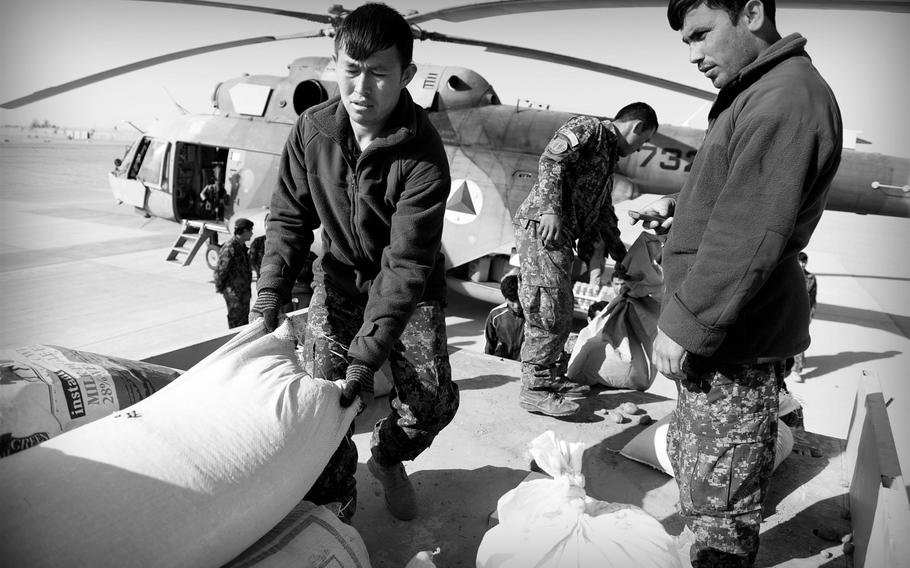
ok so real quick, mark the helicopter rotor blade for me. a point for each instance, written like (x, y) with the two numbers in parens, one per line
(506, 7)
(114, 72)
(321, 18)
(573, 62)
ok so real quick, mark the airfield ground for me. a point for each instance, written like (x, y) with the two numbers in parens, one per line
(80, 271)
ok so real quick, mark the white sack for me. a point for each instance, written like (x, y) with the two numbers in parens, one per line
(553, 523)
(46, 390)
(190, 476)
(309, 537)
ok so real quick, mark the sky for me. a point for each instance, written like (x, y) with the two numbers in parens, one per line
(48, 42)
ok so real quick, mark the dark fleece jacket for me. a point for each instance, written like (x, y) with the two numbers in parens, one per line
(734, 290)
(381, 214)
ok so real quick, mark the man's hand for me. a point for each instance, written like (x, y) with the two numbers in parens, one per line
(657, 216)
(358, 380)
(267, 306)
(549, 228)
(669, 356)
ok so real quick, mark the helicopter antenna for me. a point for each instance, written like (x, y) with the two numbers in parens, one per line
(180, 107)
(131, 123)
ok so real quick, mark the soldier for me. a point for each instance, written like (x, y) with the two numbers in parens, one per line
(232, 275)
(734, 306)
(213, 195)
(571, 200)
(797, 362)
(371, 170)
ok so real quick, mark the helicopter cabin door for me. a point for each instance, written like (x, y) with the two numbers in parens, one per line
(124, 185)
(195, 167)
(146, 184)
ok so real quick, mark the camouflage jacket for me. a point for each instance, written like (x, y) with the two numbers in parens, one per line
(574, 181)
(233, 270)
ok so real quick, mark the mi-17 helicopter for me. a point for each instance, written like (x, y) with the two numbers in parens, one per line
(493, 148)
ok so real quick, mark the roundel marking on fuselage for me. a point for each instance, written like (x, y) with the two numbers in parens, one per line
(465, 201)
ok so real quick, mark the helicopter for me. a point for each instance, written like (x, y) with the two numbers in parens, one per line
(493, 148)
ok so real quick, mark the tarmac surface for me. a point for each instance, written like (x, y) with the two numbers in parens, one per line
(79, 271)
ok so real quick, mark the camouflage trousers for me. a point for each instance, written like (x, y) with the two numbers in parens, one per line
(423, 400)
(238, 306)
(545, 294)
(721, 443)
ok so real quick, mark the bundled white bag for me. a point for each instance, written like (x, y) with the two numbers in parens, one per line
(553, 523)
(615, 348)
(190, 476)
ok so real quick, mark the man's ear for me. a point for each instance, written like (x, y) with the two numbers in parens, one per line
(408, 74)
(639, 127)
(753, 15)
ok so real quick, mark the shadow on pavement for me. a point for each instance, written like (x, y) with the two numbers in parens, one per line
(454, 514)
(866, 318)
(824, 364)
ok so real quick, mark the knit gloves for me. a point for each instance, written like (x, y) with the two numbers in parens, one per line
(268, 305)
(358, 380)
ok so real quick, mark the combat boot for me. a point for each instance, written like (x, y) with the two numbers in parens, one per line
(400, 498)
(571, 389)
(546, 402)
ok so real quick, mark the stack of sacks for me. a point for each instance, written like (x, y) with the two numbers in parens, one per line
(190, 476)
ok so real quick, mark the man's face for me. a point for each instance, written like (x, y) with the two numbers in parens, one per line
(370, 89)
(617, 285)
(634, 140)
(717, 46)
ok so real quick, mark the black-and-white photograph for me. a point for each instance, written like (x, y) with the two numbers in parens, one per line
(454, 283)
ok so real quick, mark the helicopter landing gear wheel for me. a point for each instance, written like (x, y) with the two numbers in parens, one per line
(212, 252)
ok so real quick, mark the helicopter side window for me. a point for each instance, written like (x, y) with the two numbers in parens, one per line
(152, 163)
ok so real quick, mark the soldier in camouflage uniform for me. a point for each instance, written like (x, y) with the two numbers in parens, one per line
(570, 201)
(734, 307)
(370, 170)
(233, 275)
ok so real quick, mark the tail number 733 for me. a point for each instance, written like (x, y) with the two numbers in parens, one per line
(670, 158)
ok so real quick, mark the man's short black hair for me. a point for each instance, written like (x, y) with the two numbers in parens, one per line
(375, 27)
(677, 9)
(509, 287)
(596, 307)
(638, 111)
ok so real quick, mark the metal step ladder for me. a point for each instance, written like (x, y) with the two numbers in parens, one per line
(195, 235)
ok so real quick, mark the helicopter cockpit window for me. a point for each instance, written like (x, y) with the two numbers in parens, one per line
(121, 164)
(152, 163)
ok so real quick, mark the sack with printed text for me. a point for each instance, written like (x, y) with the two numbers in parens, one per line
(190, 476)
(553, 523)
(46, 390)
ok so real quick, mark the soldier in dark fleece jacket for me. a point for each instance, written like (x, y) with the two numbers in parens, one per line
(734, 307)
(371, 170)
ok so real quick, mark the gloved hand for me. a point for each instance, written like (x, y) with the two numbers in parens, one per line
(267, 306)
(358, 380)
